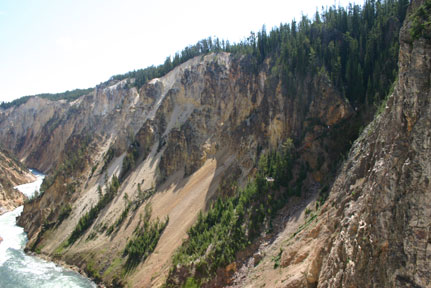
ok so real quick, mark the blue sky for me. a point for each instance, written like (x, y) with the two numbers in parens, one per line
(54, 46)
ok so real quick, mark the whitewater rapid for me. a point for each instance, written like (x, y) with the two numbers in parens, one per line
(20, 270)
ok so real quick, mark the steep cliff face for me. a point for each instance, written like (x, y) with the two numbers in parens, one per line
(38, 130)
(27, 128)
(173, 140)
(374, 229)
(12, 173)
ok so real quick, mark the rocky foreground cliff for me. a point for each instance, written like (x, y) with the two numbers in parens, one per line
(130, 168)
(374, 230)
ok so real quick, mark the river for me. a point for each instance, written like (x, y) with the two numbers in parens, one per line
(20, 270)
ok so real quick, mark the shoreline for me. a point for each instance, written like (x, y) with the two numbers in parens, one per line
(48, 258)
(64, 265)
(11, 204)
(8, 205)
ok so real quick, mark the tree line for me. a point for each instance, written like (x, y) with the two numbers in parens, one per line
(68, 96)
(356, 47)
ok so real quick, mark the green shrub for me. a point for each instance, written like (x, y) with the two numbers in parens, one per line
(191, 283)
(120, 219)
(129, 160)
(92, 271)
(421, 21)
(108, 158)
(277, 259)
(65, 211)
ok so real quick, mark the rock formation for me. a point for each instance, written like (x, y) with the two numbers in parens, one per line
(12, 173)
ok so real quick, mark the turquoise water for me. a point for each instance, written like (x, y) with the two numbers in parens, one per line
(20, 270)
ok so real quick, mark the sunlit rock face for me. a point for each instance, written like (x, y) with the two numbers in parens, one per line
(180, 135)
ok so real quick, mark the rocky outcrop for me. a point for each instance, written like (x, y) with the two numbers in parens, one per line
(12, 173)
(374, 229)
(382, 195)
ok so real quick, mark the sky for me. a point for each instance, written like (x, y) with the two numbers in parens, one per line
(49, 46)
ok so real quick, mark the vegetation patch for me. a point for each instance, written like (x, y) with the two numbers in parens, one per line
(92, 271)
(68, 96)
(107, 158)
(232, 223)
(65, 211)
(276, 259)
(191, 283)
(145, 239)
(421, 21)
(58, 252)
(115, 266)
(129, 160)
(305, 225)
(143, 195)
(120, 220)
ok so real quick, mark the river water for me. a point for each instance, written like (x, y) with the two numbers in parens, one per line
(20, 270)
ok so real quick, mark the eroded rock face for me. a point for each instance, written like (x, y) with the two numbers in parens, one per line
(385, 228)
(12, 173)
(374, 230)
(385, 224)
(203, 119)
